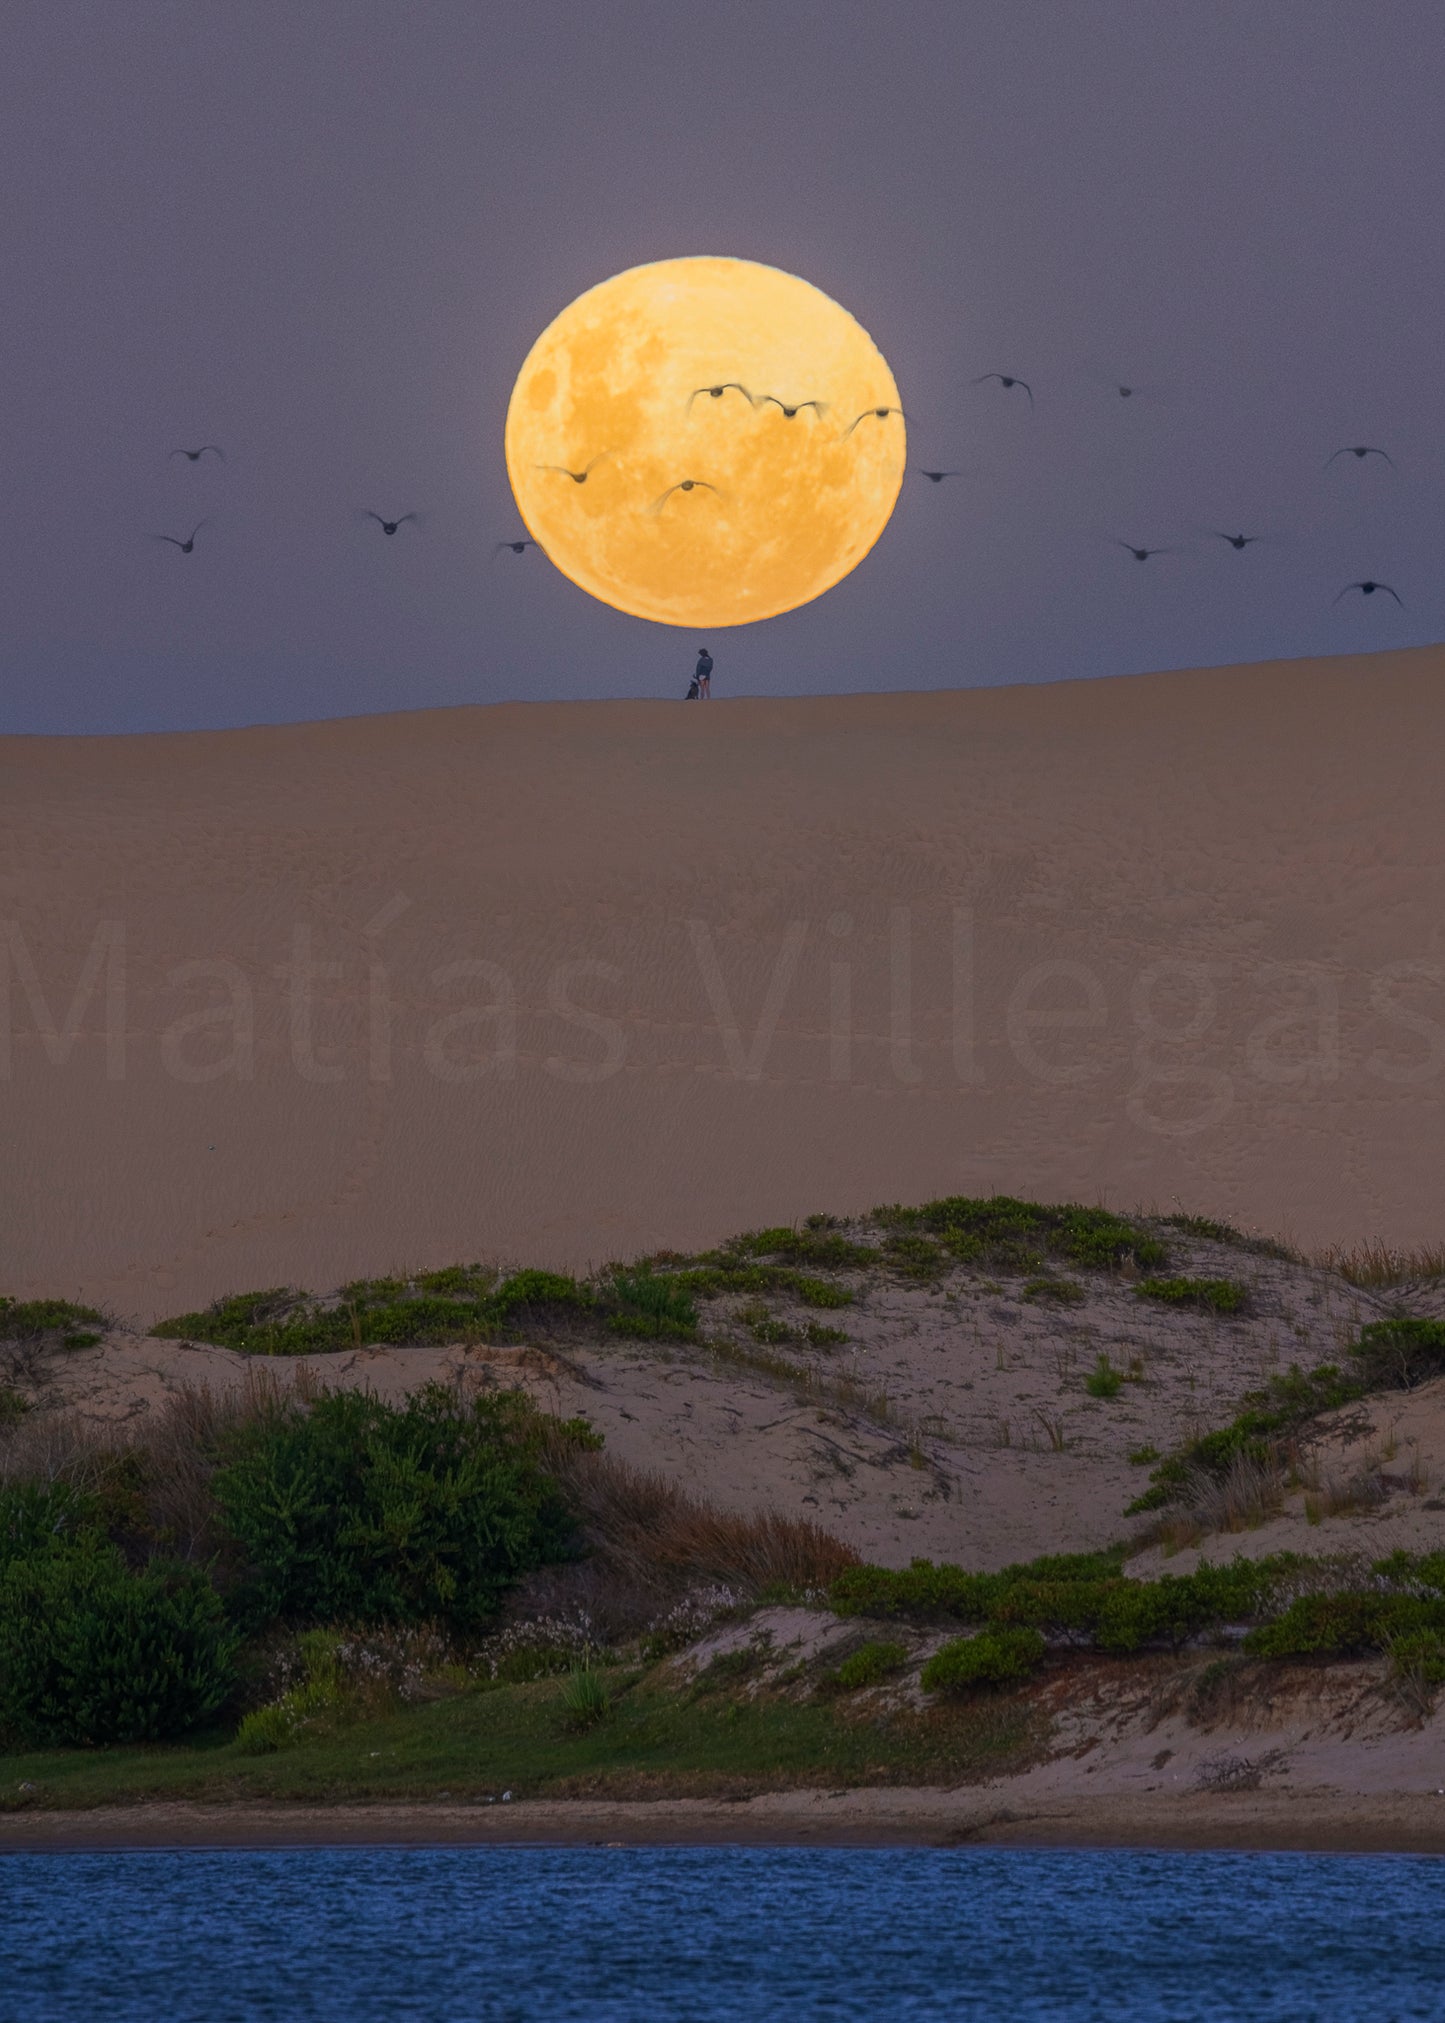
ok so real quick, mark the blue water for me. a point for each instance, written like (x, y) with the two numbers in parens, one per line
(702, 1933)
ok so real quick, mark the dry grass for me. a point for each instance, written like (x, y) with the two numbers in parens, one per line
(645, 1529)
(1374, 1263)
(1249, 1493)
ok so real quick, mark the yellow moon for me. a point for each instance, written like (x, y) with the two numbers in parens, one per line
(694, 507)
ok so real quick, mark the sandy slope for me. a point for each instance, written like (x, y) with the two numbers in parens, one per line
(955, 1422)
(1138, 938)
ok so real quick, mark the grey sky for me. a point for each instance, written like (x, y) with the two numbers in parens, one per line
(325, 235)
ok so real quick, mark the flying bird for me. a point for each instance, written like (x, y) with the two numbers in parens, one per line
(1142, 554)
(516, 547)
(1006, 380)
(577, 477)
(717, 392)
(818, 406)
(1240, 541)
(186, 545)
(682, 485)
(194, 456)
(1368, 589)
(881, 412)
(1360, 450)
(388, 526)
(936, 477)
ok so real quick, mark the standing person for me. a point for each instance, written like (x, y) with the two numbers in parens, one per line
(703, 674)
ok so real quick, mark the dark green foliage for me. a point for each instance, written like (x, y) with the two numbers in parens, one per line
(924, 1592)
(357, 1511)
(91, 1652)
(921, 1592)
(1141, 1457)
(1081, 1597)
(1211, 1295)
(50, 1322)
(1104, 1381)
(870, 1665)
(39, 1518)
(461, 1303)
(1004, 1234)
(1346, 1625)
(1000, 1657)
(646, 1303)
(1067, 1291)
(1401, 1354)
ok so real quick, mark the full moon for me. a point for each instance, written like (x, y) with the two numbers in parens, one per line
(705, 442)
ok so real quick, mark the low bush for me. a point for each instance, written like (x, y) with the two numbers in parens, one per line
(91, 1652)
(1345, 1625)
(52, 1323)
(356, 1511)
(1001, 1657)
(1210, 1295)
(647, 1304)
(1104, 1381)
(38, 1518)
(1004, 1233)
(869, 1665)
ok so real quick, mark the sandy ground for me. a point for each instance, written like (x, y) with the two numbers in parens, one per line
(954, 1423)
(566, 982)
(1312, 1820)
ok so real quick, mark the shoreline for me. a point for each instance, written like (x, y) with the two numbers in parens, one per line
(1317, 1822)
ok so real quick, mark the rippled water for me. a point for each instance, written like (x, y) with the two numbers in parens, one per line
(700, 1933)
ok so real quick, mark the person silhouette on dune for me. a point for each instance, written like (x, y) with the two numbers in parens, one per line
(702, 674)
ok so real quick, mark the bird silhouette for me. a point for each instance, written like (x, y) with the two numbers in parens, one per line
(1240, 541)
(881, 412)
(1360, 450)
(818, 406)
(1368, 589)
(194, 456)
(1006, 380)
(186, 545)
(936, 477)
(717, 392)
(682, 485)
(388, 526)
(1142, 554)
(577, 477)
(516, 547)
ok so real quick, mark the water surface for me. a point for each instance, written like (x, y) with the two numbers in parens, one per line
(630, 1934)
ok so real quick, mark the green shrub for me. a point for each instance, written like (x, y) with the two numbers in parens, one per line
(1067, 1291)
(1212, 1295)
(1401, 1354)
(923, 1592)
(1104, 1381)
(645, 1304)
(93, 1653)
(357, 1511)
(999, 1657)
(1006, 1233)
(586, 1701)
(1345, 1625)
(870, 1665)
(50, 1321)
(1419, 1657)
(44, 1517)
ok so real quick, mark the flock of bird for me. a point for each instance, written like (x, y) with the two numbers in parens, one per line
(1008, 382)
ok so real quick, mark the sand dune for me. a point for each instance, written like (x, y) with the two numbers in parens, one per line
(561, 982)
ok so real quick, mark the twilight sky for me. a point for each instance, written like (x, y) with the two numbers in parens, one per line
(325, 236)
